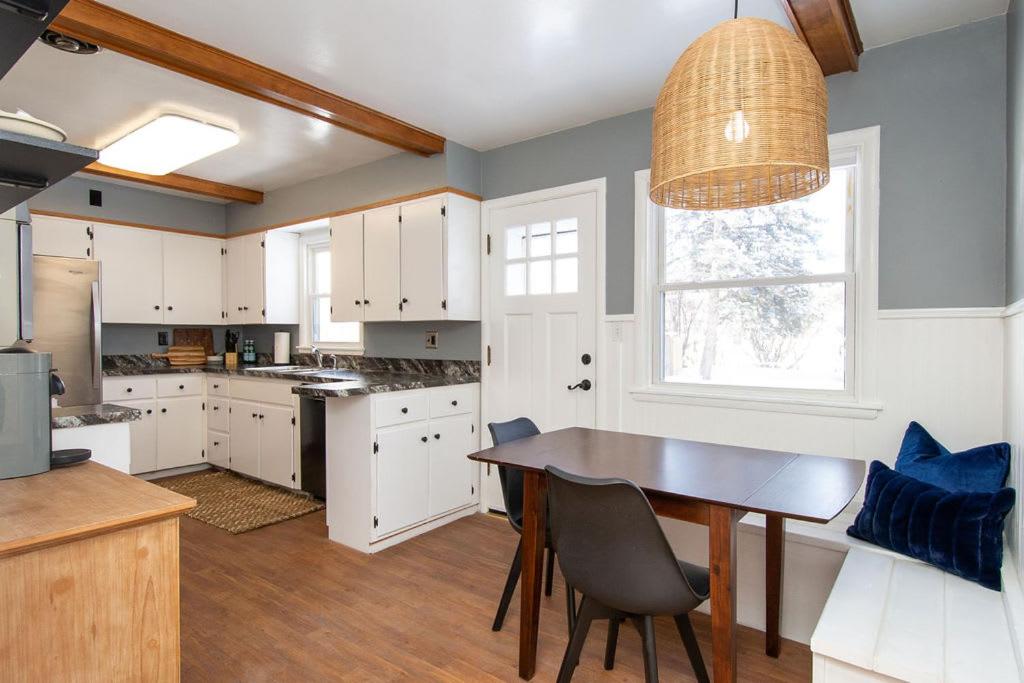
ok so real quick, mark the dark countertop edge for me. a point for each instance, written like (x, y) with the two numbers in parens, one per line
(73, 417)
(358, 388)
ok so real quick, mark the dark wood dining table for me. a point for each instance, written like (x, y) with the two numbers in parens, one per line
(709, 484)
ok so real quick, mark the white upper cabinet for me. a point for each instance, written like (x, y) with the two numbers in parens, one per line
(347, 268)
(382, 263)
(192, 280)
(422, 249)
(67, 237)
(131, 273)
(414, 261)
(263, 278)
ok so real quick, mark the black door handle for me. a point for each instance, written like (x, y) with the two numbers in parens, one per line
(584, 385)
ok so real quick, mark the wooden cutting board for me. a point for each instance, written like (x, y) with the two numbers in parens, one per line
(184, 355)
(194, 336)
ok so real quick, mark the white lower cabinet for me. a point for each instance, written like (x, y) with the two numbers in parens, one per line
(179, 432)
(451, 472)
(218, 449)
(403, 468)
(143, 436)
(245, 441)
(261, 429)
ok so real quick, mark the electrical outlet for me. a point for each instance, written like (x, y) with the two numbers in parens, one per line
(432, 339)
(161, 338)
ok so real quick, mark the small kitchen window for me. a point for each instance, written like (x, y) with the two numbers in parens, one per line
(317, 329)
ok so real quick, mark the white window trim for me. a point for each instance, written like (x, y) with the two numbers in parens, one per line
(859, 400)
(308, 240)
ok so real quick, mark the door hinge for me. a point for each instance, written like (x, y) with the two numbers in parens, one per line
(223, 251)
(332, 310)
(472, 429)
(204, 405)
(375, 522)
(488, 244)
(444, 304)
(443, 213)
(399, 218)
(263, 244)
(488, 354)
(472, 489)
(263, 312)
(376, 446)
(293, 476)
(204, 452)
(330, 231)
(88, 231)
(293, 419)
(399, 305)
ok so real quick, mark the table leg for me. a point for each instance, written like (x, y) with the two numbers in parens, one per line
(722, 523)
(775, 549)
(534, 526)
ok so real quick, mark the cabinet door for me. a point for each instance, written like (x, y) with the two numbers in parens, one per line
(347, 268)
(422, 250)
(131, 274)
(218, 449)
(180, 435)
(234, 264)
(143, 436)
(451, 472)
(61, 237)
(192, 280)
(382, 264)
(402, 475)
(253, 280)
(277, 444)
(245, 437)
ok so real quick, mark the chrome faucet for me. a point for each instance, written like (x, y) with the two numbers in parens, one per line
(317, 356)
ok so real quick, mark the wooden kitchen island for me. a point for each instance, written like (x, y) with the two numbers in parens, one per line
(89, 577)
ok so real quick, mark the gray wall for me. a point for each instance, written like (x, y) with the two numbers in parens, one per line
(940, 101)
(132, 204)
(1014, 151)
(456, 340)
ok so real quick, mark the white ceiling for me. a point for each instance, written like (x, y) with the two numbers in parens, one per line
(484, 74)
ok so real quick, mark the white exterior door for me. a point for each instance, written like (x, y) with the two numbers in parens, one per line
(234, 264)
(131, 274)
(192, 280)
(541, 324)
(276, 440)
(422, 272)
(180, 435)
(347, 268)
(402, 475)
(382, 263)
(67, 237)
(451, 472)
(245, 437)
(253, 283)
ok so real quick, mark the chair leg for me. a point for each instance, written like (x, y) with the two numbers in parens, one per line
(610, 645)
(685, 629)
(549, 577)
(510, 587)
(645, 625)
(570, 607)
(579, 636)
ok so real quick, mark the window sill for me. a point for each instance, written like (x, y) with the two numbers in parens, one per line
(861, 410)
(338, 350)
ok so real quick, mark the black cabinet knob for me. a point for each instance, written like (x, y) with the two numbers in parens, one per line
(455, 403)
(423, 439)
(163, 410)
(239, 308)
(216, 386)
(156, 308)
(216, 443)
(182, 387)
(366, 301)
(404, 300)
(170, 308)
(437, 436)
(261, 417)
(216, 407)
(149, 411)
(129, 390)
(358, 302)
(245, 308)
(254, 416)
(405, 410)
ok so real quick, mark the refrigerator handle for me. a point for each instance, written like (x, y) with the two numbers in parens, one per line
(25, 299)
(97, 337)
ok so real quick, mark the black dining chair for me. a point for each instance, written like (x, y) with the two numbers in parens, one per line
(512, 492)
(612, 550)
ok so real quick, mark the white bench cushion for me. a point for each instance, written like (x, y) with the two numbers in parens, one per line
(912, 622)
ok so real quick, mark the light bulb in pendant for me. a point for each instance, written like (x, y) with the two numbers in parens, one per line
(737, 130)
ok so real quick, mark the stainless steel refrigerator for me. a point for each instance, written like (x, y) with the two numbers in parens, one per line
(66, 322)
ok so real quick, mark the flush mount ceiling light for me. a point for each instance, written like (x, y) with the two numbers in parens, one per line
(741, 121)
(166, 144)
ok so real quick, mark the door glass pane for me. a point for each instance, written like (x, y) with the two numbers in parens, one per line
(788, 336)
(322, 271)
(515, 279)
(566, 236)
(515, 242)
(540, 240)
(540, 277)
(567, 275)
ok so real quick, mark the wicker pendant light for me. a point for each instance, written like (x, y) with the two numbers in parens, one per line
(741, 121)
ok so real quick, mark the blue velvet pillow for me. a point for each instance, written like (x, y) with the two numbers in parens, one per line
(961, 533)
(983, 468)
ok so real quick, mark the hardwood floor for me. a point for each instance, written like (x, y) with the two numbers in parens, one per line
(283, 603)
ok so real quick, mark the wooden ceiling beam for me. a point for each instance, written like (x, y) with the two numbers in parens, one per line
(183, 183)
(129, 35)
(830, 31)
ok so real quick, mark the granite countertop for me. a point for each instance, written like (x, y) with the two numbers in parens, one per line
(87, 416)
(379, 383)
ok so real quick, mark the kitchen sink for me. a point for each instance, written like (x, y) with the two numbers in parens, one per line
(333, 374)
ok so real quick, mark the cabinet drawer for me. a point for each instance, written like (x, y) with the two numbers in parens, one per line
(401, 407)
(179, 385)
(263, 391)
(217, 413)
(455, 400)
(217, 385)
(128, 388)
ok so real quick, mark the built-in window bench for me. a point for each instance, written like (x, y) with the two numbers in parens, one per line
(892, 618)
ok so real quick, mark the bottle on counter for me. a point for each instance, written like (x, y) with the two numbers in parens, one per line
(249, 351)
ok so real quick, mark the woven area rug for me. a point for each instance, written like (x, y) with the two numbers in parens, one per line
(237, 504)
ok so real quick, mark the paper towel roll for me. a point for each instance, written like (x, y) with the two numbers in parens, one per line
(282, 348)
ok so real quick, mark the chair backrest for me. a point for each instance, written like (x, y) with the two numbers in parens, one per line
(512, 479)
(610, 546)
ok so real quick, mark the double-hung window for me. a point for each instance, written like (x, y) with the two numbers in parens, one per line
(763, 300)
(318, 329)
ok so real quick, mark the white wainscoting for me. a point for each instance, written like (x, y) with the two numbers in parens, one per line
(1013, 407)
(942, 368)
